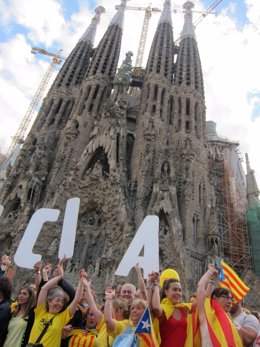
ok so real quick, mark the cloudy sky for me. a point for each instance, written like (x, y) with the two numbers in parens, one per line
(228, 43)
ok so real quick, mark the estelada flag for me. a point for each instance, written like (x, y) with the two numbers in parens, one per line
(145, 331)
(229, 279)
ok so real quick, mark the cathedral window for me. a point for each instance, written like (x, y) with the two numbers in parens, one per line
(155, 92)
(170, 110)
(188, 107)
(194, 227)
(179, 106)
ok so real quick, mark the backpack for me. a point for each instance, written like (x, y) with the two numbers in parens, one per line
(126, 339)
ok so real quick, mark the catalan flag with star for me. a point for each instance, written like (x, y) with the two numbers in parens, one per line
(229, 279)
(145, 331)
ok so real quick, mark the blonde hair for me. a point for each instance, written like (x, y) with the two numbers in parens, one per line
(138, 302)
(121, 304)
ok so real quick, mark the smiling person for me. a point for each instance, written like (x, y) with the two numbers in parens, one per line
(116, 327)
(169, 309)
(50, 313)
(19, 321)
(128, 291)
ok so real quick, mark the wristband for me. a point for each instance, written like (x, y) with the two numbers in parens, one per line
(210, 273)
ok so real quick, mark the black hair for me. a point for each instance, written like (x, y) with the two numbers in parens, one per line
(5, 288)
(218, 292)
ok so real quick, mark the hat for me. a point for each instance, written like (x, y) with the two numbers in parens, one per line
(168, 274)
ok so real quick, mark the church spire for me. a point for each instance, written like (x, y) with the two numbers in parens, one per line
(118, 18)
(90, 33)
(188, 80)
(75, 66)
(251, 185)
(188, 27)
(161, 56)
(166, 13)
(105, 59)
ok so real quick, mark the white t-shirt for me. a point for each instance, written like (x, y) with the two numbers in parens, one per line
(249, 321)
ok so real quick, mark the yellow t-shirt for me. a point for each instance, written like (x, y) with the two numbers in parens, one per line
(103, 335)
(52, 337)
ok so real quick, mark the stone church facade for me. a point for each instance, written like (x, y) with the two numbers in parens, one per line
(129, 143)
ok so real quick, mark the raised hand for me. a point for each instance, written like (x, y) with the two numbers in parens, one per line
(38, 266)
(109, 293)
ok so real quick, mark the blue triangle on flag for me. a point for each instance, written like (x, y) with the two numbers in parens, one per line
(144, 325)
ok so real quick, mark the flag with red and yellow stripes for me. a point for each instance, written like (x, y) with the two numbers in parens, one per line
(222, 331)
(229, 279)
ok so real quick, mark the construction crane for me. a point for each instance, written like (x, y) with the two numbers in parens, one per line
(208, 11)
(147, 16)
(56, 60)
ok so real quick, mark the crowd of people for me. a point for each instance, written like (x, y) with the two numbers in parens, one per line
(50, 312)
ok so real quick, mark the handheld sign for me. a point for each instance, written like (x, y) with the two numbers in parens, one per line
(69, 228)
(1, 209)
(24, 257)
(147, 238)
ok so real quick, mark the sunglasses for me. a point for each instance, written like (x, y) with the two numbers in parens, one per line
(229, 297)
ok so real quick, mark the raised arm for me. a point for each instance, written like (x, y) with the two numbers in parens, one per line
(140, 281)
(78, 295)
(49, 285)
(156, 302)
(204, 290)
(149, 291)
(108, 309)
(37, 275)
(91, 302)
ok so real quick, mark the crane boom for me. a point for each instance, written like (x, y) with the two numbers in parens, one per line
(208, 11)
(57, 58)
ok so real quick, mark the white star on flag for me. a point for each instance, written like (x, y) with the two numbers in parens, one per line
(146, 324)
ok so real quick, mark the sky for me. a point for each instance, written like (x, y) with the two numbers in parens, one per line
(228, 42)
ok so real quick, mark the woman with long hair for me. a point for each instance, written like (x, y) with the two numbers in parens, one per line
(168, 307)
(19, 321)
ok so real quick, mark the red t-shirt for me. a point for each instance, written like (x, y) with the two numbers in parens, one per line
(174, 332)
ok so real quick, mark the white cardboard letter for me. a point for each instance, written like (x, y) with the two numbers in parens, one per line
(1, 209)
(24, 257)
(69, 228)
(147, 237)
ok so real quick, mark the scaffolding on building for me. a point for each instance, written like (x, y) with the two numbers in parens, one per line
(232, 219)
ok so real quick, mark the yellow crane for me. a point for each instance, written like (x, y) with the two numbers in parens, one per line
(20, 133)
(148, 14)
